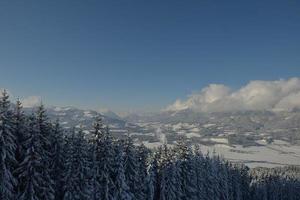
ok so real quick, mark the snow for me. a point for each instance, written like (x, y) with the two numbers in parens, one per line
(87, 114)
(220, 140)
(146, 134)
(59, 109)
(152, 144)
(118, 131)
(192, 134)
(259, 156)
(195, 129)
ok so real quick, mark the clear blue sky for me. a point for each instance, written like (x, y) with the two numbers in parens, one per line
(143, 54)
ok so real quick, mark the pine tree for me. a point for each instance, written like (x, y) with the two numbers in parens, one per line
(153, 177)
(76, 187)
(187, 171)
(209, 180)
(200, 172)
(57, 160)
(20, 132)
(131, 168)
(103, 161)
(142, 154)
(68, 187)
(30, 169)
(44, 129)
(122, 191)
(170, 179)
(95, 187)
(7, 149)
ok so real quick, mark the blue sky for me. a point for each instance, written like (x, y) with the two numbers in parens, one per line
(143, 55)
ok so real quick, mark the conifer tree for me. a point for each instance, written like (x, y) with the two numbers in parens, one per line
(187, 171)
(21, 134)
(76, 186)
(44, 130)
(57, 160)
(95, 187)
(7, 149)
(20, 130)
(30, 169)
(122, 191)
(143, 154)
(170, 180)
(103, 161)
(131, 168)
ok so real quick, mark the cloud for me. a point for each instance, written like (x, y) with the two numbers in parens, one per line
(256, 95)
(31, 101)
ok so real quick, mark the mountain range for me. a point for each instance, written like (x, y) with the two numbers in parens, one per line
(256, 138)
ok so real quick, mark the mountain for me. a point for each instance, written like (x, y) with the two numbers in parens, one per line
(257, 138)
(110, 114)
(70, 117)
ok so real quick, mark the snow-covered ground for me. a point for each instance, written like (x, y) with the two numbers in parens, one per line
(279, 153)
(259, 156)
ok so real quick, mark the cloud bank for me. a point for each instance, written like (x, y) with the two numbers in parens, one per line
(31, 101)
(256, 95)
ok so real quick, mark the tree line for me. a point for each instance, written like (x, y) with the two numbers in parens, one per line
(39, 160)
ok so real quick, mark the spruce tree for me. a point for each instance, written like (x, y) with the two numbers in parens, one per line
(131, 168)
(20, 130)
(103, 161)
(30, 169)
(7, 149)
(57, 160)
(187, 171)
(76, 186)
(44, 130)
(21, 134)
(121, 189)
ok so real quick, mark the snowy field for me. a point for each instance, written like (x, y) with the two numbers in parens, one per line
(258, 156)
(279, 153)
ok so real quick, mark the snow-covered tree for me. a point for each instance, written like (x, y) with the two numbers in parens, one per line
(30, 169)
(102, 161)
(187, 171)
(121, 189)
(58, 158)
(76, 185)
(7, 149)
(44, 131)
(132, 169)
(20, 130)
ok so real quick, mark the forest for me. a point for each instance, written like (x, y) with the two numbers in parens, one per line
(39, 160)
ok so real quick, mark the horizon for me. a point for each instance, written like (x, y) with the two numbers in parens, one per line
(256, 95)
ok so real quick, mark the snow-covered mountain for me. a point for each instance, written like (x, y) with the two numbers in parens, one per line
(70, 117)
(258, 138)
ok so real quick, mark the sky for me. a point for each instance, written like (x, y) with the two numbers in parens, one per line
(141, 55)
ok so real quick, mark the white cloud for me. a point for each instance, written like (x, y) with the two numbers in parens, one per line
(31, 101)
(256, 95)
